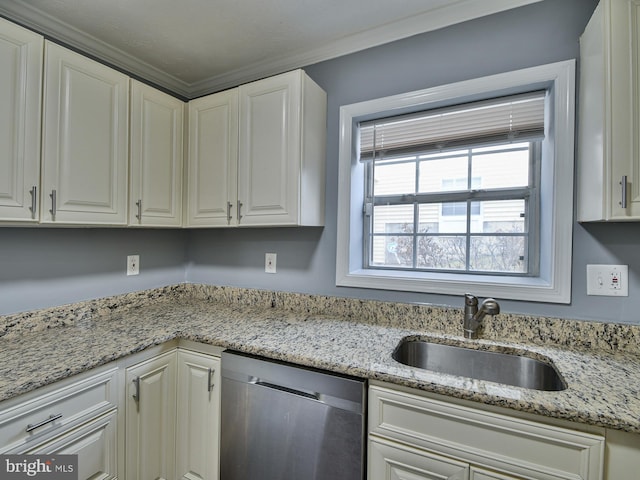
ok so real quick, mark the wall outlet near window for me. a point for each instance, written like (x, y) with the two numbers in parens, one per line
(133, 264)
(609, 280)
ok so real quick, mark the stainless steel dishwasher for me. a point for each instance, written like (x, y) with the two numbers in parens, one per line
(283, 422)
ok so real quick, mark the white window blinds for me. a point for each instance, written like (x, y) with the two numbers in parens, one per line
(517, 117)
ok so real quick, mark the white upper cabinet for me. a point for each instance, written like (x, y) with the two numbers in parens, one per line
(257, 154)
(157, 123)
(85, 141)
(20, 87)
(281, 154)
(609, 106)
(213, 156)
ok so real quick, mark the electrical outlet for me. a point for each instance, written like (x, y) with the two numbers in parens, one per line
(133, 264)
(610, 280)
(270, 262)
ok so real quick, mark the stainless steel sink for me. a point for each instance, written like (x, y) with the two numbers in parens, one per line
(507, 368)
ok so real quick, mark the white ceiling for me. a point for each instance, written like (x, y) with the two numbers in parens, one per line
(193, 47)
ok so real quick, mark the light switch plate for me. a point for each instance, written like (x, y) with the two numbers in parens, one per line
(609, 280)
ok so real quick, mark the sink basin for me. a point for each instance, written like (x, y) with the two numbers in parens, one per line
(507, 368)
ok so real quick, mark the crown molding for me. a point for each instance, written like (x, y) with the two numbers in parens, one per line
(455, 12)
(63, 33)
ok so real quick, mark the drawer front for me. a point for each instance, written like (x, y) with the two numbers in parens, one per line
(93, 442)
(389, 461)
(485, 439)
(41, 417)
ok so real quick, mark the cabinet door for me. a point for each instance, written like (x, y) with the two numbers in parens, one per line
(20, 87)
(156, 157)
(85, 147)
(269, 150)
(391, 461)
(627, 15)
(150, 418)
(94, 444)
(213, 157)
(609, 146)
(198, 418)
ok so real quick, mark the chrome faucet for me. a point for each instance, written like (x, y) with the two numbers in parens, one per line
(473, 315)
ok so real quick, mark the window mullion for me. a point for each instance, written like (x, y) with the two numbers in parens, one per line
(468, 232)
(416, 220)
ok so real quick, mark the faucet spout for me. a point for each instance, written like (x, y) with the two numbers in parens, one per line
(473, 315)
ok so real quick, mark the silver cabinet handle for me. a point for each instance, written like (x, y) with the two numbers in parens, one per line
(210, 383)
(139, 214)
(52, 418)
(229, 205)
(136, 395)
(34, 200)
(239, 210)
(623, 183)
(54, 201)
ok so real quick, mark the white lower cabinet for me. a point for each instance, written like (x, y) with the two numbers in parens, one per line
(75, 416)
(172, 417)
(394, 461)
(95, 444)
(479, 474)
(414, 436)
(198, 417)
(150, 418)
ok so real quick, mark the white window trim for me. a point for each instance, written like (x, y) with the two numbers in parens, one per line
(554, 284)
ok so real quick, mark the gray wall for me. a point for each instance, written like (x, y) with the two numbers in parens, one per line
(533, 35)
(42, 267)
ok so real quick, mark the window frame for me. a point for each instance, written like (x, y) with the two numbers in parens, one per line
(553, 282)
(470, 195)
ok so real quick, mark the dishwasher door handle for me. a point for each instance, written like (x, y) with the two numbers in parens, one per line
(281, 388)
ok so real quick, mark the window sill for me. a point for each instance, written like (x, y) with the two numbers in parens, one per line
(534, 289)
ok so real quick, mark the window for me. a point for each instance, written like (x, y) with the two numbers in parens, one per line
(466, 187)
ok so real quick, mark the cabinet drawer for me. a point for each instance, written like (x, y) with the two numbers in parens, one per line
(93, 442)
(485, 439)
(56, 411)
(389, 461)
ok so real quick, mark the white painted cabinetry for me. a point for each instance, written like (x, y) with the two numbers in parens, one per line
(20, 87)
(257, 154)
(609, 106)
(213, 160)
(416, 436)
(150, 418)
(157, 125)
(172, 416)
(281, 155)
(85, 141)
(198, 417)
(95, 444)
(75, 416)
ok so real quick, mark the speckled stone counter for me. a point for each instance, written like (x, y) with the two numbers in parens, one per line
(599, 362)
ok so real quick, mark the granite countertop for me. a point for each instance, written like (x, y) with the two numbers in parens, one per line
(603, 383)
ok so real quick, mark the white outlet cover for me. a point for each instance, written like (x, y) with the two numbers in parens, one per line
(133, 264)
(270, 262)
(608, 280)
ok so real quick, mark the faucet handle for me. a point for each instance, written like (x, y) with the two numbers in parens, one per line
(470, 300)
